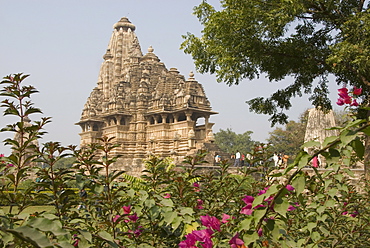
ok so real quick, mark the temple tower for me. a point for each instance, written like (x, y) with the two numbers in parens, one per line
(318, 129)
(146, 107)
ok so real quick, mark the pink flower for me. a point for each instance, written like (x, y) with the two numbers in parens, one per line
(75, 244)
(345, 213)
(126, 209)
(262, 191)
(343, 90)
(196, 187)
(259, 206)
(138, 231)
(133, 217)
(315, 162)
(236, 242)
(347, 100)
(291, 208)
(211, 222)
(76, 240)
(168, 195)
(357, 91)
(225, 218)
(199, 204)
(202, 235)
(354, 103)
(247, 210)
(289, 187)
(248, 199)
(260, 232)
(189, 242)
(207, 243)
(354, 214)
(115, 218)
(2, 155)
(186, 244)
(340, 102)
(269, 199)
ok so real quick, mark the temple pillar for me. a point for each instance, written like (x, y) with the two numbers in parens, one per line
(164, 117)
(188, 115)
(175, 118)
(206, 121)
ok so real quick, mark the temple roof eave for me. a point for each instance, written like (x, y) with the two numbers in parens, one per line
(203, 111)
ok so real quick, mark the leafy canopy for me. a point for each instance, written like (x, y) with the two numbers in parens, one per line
(231, 142)
(303, 39)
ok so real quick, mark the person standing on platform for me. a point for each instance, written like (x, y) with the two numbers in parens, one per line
(237, 159)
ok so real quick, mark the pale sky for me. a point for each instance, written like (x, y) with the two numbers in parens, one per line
(61, 44)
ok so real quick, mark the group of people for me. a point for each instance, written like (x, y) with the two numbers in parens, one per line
(238, 158)
(280, 160)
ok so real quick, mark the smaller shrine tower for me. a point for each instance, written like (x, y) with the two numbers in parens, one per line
(146, 107)
(318, 129)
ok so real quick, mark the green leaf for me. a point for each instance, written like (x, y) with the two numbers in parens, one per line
(105, 235)
(86, 235)
(191, 227)
(315, 236)
(39, 238)
(186, 210)
(320, 209)
(367, 131)
(303, 161)
(176, 222)
(324, 231)
(245, 224)
(45, 225)
(359, 148)
(330, 203)
(311, 143)
(329, 140)
(281, 206)
(322, 218)
(32, 110)
(169, 216)
(299, 183)
(332, 192)
(347, 136)
(250, 238)
(167, 202)
(310, 226)
(258, 214)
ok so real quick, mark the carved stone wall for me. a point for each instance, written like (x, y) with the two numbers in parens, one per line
(317, 129)
(146, 107)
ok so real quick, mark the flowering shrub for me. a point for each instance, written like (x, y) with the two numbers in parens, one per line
(176, 206)
(345, 98)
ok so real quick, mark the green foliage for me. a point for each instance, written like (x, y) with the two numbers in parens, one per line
(288, 140)
(182, 206)
(305, 40)
(230, 142)
(65, 162)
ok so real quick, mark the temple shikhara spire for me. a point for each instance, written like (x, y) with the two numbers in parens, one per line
(148, 108)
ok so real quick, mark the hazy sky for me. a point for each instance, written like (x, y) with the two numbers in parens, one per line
(61, 44)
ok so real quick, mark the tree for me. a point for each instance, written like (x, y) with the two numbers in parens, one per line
(288, 140)
(230, 142)
(303, 39)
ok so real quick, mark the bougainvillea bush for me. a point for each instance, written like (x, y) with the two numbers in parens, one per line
(90, 205)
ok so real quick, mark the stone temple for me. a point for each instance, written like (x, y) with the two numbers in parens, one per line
(146, 107)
